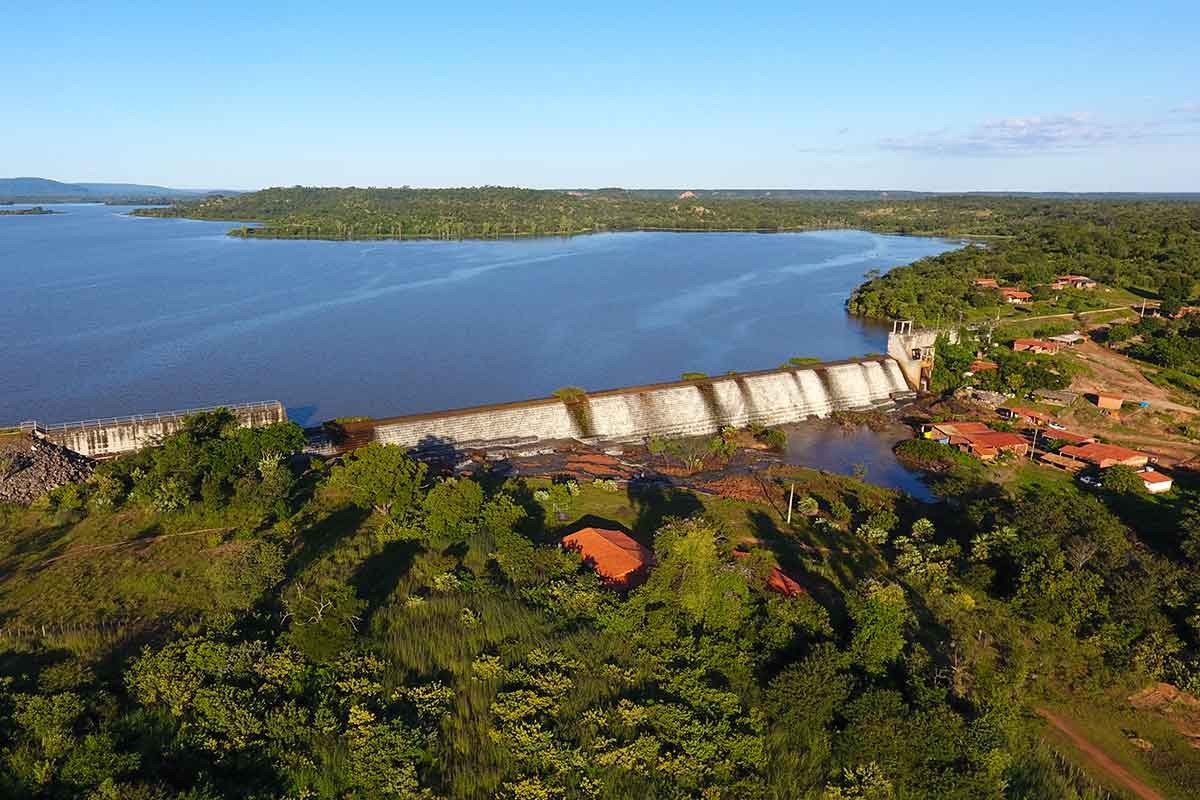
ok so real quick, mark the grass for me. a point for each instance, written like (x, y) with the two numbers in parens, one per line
(67, 572)
(1107, 720)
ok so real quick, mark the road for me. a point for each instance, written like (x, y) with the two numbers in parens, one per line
(1099, 759)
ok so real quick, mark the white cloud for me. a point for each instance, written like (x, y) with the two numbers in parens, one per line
(1026, 135)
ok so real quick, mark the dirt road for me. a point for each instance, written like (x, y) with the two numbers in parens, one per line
(1099, 759)
(1117, 374)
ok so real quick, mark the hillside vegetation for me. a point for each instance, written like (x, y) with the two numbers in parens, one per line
(495, 212)
(216, 618)
(1145, 250)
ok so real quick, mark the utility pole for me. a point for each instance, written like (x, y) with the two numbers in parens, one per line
(1033, 452)
(791, 502)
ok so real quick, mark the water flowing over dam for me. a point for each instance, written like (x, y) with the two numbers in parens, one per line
(684, 408)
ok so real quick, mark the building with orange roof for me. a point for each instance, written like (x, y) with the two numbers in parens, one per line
(1070, 437)
(987, 446)
(618, 559)
(778, 581)
(1015, 296)
(1105, 455)
(1155, 481)
(1029, 415)
(1073, 282)
(987, 283)
(981, 365)
(976, 438)
(1034, 346)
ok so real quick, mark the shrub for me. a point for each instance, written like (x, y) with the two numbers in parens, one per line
(775, 438)
(170, 496)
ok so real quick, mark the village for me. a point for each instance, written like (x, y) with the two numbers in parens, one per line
(1110, 415)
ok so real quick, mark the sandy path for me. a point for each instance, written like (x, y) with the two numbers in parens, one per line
(1099, 758)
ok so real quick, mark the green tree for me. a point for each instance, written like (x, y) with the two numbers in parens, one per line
(881, 617)
(380, 477)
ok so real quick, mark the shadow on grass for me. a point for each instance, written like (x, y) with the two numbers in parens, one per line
(325, 535)
(819, 587)
(655, 502)
(378, 575)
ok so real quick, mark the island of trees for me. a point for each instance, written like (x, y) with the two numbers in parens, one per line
(19, 212)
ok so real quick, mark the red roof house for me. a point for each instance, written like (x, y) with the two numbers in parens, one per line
(1030, 415)
(1105, 455)
(1034, 346)
(1156, 482)
(1015, 296)
(622, 562)
(778, 581)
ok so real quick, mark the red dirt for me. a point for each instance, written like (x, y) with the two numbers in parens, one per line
(1099, 758)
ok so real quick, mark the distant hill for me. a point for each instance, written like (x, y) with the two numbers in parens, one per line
(44, 189)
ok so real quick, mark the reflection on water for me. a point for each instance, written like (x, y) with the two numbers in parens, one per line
(827, 446)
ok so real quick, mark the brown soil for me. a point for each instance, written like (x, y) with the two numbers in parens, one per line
(1114, 373)
(1099, 759)
(1180, 708)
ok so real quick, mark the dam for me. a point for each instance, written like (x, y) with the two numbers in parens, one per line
(696, 407)
(105, 438)
(682, 408)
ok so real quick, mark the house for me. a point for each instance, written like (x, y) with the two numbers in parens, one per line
(976, 438)
(1156, 482)
(622, 562)
(1028, 415)
(1105, 455)
(778, 581)
(1015, 296)
(981, 365)
(954, 433)
(1034, 346)
(987, 283)
(1061, 462)
(1055, 397)
(1073, 282)
(1068, 437)
(1108, 402)
(1067, 338)
(986, 446)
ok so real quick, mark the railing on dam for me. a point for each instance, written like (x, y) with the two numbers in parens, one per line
(159, 416)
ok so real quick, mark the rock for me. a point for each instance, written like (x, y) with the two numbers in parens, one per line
(31, 467)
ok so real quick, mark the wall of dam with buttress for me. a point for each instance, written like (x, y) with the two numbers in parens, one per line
(104, 438)
(684, 408)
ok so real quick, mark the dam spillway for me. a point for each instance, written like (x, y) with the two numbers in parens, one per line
(683, 408)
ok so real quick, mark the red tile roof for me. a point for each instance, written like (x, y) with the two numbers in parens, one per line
(1102, 454)
(998, 439)
(1032, 413)
(616, 557)
(1032, 344)
(778, 581)
(983, 366)
(1150, 476)
(1067, 436)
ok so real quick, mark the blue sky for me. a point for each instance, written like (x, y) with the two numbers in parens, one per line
(1071, 96)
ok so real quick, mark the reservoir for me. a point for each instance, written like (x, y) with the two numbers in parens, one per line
(106, 314)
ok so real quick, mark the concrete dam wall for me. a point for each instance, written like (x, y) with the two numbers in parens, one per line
(101, 438)
(686, 408)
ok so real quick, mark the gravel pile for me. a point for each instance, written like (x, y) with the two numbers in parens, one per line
(31, 467)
